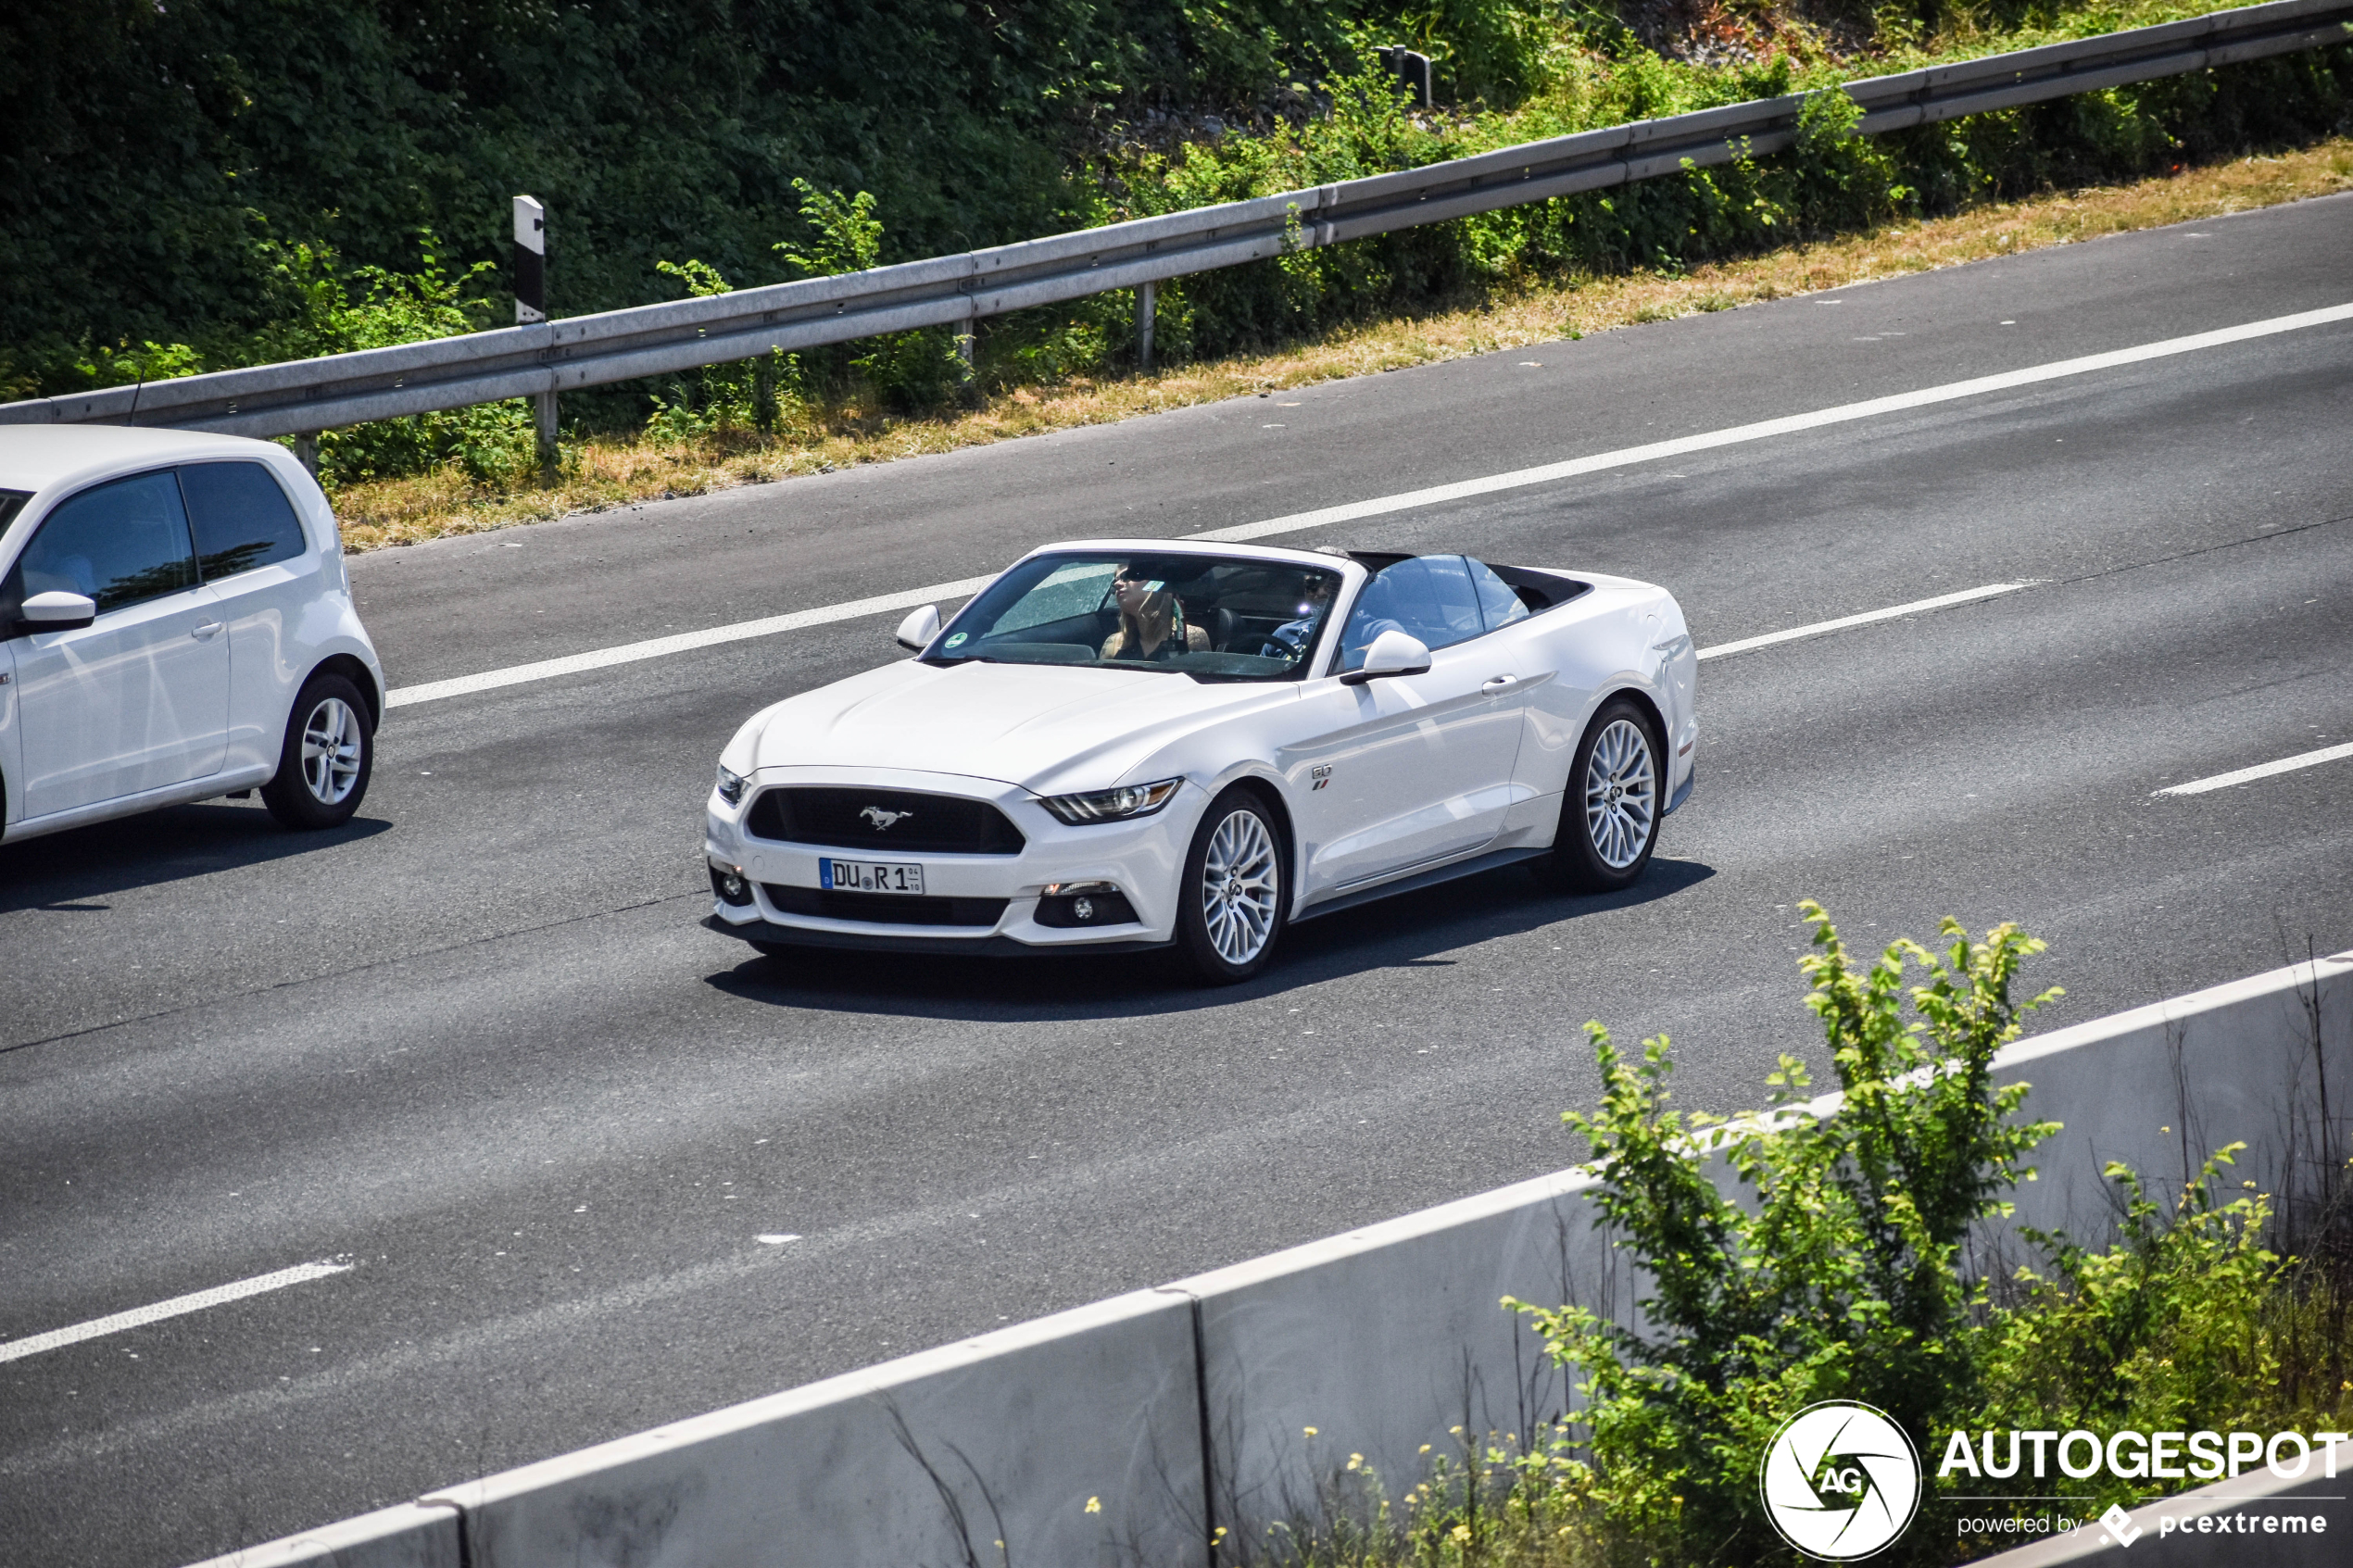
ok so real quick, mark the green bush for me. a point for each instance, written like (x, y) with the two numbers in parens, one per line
(1854, 1264)
(1841, 1280)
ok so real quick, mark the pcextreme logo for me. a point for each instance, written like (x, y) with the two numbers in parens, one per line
(1840, 1480)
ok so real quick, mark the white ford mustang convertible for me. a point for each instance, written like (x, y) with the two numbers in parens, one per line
(1123, 745)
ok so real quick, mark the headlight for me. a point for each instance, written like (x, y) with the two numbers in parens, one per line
(1112, 805)
(732, 785)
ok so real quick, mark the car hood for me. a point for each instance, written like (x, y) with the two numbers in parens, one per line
(1047, 728)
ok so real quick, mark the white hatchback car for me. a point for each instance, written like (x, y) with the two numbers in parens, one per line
(175, 624)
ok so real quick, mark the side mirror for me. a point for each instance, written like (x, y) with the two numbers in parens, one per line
(60, 611)
(916, 631)
(1392, 653)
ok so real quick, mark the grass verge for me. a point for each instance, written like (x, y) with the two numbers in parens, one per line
(600, 472)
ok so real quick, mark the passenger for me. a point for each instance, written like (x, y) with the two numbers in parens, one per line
(1151, 623)
(1291, 639)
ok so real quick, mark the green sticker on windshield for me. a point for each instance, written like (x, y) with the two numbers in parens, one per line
(956, 638)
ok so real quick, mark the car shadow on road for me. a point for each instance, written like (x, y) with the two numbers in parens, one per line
(1412, 930)
(74, 871)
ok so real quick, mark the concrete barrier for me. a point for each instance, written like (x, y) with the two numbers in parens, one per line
(1382, 1341)
(415, 1534)
(984, 1452)
(1185, 1411)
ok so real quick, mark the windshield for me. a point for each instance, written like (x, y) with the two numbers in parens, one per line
(1213, 618)
(11, 503)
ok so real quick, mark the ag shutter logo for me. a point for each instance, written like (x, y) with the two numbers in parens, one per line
(1839, 1481)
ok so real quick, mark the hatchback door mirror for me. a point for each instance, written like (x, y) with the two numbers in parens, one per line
(916, 631)
(60, 611)
(1392, 653)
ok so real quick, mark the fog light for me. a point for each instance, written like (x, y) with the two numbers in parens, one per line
(729, 885)
(1066, 904)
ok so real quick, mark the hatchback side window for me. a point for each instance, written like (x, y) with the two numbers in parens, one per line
(1430, 598)
(1498, 602)
(117, 542)
(242, 520)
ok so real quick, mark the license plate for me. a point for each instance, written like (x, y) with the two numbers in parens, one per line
(868, 876)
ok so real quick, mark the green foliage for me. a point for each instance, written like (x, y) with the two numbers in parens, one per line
(2174, 1328)
(846, 236)
(220, 182)
(720, 398)
(1840, 1273)
(376, 307)
(1841, 1280)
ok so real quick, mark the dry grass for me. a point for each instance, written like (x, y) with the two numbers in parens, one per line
(608, 471)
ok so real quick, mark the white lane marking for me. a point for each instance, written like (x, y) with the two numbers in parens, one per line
(1766, 428)
(2260, 771)
(657, 648)
(32, 1345)
(1966, 596)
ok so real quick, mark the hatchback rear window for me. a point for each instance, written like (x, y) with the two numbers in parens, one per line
(241, 517)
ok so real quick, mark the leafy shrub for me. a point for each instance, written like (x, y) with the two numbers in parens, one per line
(1843, 1280)
(1849, 1271)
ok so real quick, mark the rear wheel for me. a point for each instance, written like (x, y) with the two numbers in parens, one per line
(1609, 813)
(329, 751)
(1231, 899)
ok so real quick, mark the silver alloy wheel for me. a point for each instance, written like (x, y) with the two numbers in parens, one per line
(1237, 887)
(1621, 795)
(331, 745)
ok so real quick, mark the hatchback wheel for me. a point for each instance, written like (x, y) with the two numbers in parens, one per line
(329, 752)
(1231, 901)
(1609, 813)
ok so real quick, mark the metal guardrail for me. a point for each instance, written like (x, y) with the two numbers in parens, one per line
(306, 395)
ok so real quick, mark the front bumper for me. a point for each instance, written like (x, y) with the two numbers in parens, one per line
(891, 939)
(1141, 859)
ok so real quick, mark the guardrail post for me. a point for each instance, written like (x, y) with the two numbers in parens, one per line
(1412, 71)
(531, 305)
(306, 450)
(530, 261)
(542, 408)
(1147, 303)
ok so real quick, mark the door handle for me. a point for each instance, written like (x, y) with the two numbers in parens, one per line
(1500, 685)
(207, 632)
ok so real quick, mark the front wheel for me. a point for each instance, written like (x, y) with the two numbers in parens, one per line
(1232, 900)
(1609, 813)
(329, 749)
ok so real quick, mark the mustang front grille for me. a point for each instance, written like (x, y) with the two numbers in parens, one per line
(884, 908)
(882, 821)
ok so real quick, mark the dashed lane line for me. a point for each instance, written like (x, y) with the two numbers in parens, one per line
(196, 1301)
(1918, 606)
(2260, 771)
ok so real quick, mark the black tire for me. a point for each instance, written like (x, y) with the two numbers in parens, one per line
(1219, 948)
(1591, 849)
(313, 789)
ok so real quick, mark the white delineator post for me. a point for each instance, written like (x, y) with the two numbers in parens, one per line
(531, 306)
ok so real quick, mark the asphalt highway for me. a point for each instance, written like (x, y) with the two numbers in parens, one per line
(478, 1045)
